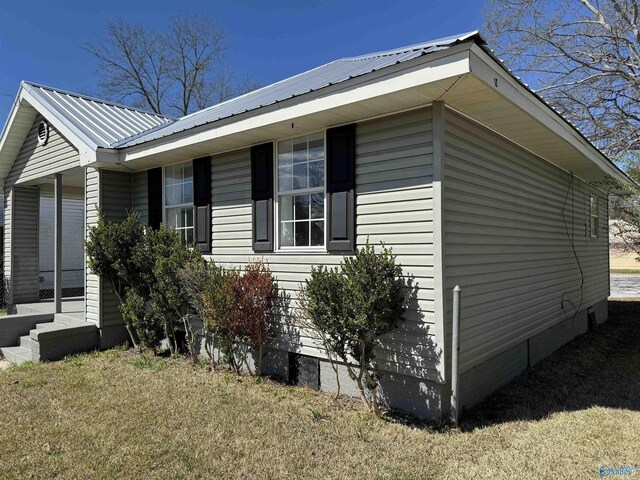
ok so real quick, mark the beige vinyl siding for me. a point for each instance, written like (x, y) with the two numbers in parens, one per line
(394, 205)
(115, 201)
(92, 282)
(506, 243)
(25, 280)
(140, 195)
(8, 218)
(36, 161)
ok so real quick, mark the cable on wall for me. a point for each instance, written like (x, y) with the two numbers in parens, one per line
(580, 289)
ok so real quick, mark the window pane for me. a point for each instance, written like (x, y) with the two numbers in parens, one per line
(317, 205)
(286, 208)
(316, 146)
(172, 195)
(285, 178)
(187, 192)
(187, 171)
(300, 150)
(302, 234)
(189, 235)
(302, 207)
(286, 234)
(300, 176)
(173, 217)
(188, 217)
(317, 233)
(169, 176)
(284, 152)
(316, 174)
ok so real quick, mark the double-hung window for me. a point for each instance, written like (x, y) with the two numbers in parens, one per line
(301, 192)
(178, 200)
(593, 215)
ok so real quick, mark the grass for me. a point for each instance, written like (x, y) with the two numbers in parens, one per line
(115, 414)
(626, 270)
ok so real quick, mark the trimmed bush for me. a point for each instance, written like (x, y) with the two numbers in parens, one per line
(351, 307)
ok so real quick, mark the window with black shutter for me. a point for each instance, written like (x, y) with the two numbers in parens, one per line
(341, 182)
(262, 197)
(154, 197)
(202, 203)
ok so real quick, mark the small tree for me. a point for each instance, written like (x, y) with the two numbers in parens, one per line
(353, 306)
(249, 317)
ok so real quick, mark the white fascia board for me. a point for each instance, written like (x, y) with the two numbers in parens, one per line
(454, 64)
(86, 148)
(9, 122)
(487, 69)
(106, 156)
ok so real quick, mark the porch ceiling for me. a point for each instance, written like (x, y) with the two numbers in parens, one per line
(73, 178)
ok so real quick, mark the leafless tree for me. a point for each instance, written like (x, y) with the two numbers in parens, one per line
(582, 56)
(172, 73)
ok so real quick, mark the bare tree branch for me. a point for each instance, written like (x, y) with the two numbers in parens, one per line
(172, 73)
(583, 56)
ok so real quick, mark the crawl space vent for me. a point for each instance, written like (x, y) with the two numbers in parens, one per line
(43, 133)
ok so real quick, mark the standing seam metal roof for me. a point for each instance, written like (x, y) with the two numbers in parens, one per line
(102, 122)
(309, 81)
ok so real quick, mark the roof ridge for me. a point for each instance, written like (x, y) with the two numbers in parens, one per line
(95, 99)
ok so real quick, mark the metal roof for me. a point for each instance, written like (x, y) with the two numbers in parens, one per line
(309, 81)
(103, 123)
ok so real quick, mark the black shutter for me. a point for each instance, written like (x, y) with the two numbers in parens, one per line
(262, 196)
(202, 202)
(154, 197)
(341, 183)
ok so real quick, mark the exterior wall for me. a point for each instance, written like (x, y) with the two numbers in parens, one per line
(507, 246)
(394, 205)
(92, 282)
(140, 199)
(6, 244)
(72, 249)
(36, 161)
(24, 238)
(115, 202)
(33, 161)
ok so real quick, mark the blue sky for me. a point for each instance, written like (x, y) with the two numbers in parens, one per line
(269, 40)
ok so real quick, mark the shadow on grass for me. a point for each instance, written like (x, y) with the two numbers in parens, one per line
(600, 368)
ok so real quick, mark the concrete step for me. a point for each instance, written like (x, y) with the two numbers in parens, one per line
(68, 319)
(26, 342)
(17, 355)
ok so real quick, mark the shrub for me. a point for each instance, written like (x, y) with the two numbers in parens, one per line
(236, 309)
(352, 306)
(143, 267)
(249, 317)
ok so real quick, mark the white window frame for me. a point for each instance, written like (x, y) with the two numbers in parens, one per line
(276, 194)
(182, 205)
(593, 199)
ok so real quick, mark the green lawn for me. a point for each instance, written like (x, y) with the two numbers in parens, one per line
(117, 415)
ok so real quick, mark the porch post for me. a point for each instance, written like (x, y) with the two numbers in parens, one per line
(57, 263)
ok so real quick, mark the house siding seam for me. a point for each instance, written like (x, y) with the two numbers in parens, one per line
(394, 202)
(507, 246)
(34, 161)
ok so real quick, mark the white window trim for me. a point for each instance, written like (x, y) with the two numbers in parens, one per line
(181, 205)
(276, 200)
